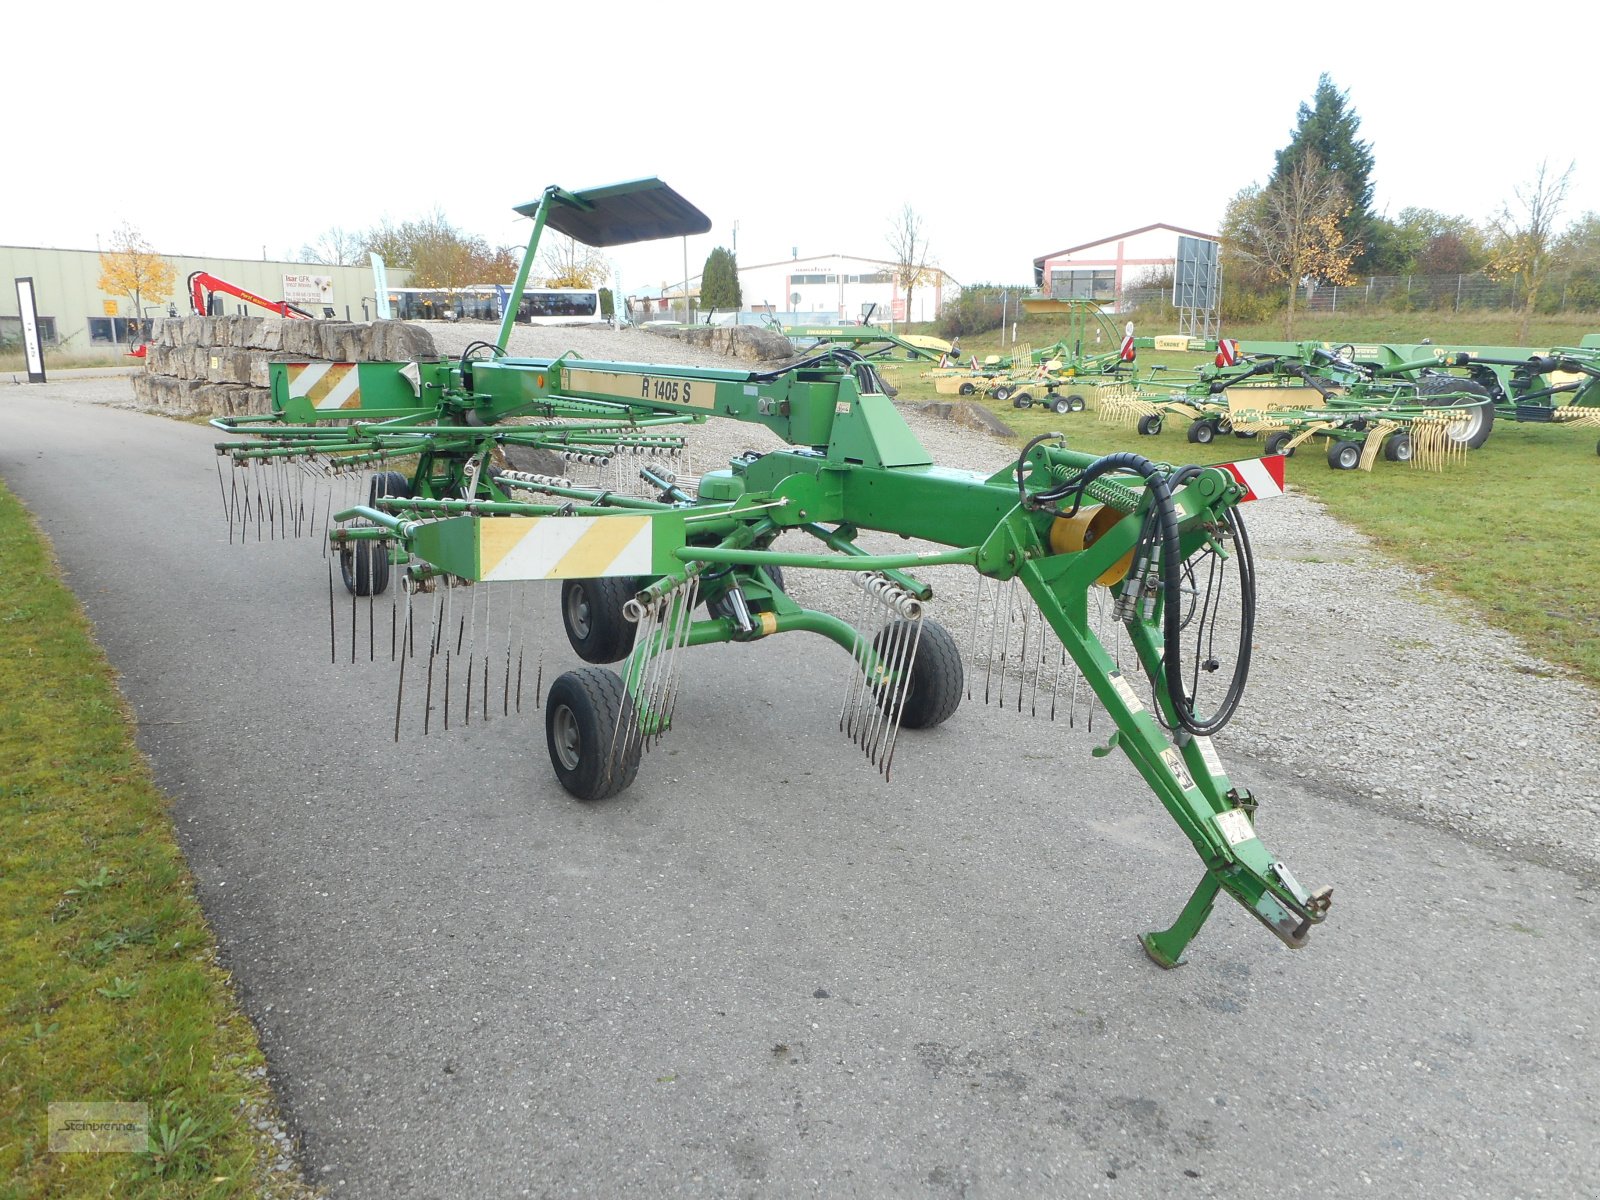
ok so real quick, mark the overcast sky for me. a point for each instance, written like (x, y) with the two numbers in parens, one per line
(223, 131)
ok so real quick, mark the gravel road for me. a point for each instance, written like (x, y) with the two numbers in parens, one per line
(1437, 717)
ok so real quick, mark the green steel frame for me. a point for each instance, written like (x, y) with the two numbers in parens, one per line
(852, 465)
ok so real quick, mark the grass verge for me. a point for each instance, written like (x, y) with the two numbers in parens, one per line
(109, 988)
(65, 360)
(1511, 530)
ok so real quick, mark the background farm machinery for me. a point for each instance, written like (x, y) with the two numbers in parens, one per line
(870, 341)
(1057, 376)
(1559, 384)
(1105, 583)
(1290, 393)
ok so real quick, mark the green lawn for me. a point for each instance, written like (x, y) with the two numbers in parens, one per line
(1514, 529)
(109, 990)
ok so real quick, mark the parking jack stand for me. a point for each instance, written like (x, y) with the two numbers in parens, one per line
(1166, 946)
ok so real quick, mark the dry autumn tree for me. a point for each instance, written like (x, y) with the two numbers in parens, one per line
(133, 269)
(569, 263)
(1523, 240)
(909, 243)
(1292, 231)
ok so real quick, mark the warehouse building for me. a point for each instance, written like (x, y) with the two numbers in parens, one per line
(74, 314)
(844, 286)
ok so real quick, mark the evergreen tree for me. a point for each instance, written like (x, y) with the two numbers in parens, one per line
(1327, 129)
(719, 282)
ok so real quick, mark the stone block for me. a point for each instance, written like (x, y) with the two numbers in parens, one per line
(268, 334)
(339, 341)
(747, 342)
(300, 341)
(399, 341)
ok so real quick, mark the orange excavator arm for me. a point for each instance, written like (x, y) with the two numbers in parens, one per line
(202, 282)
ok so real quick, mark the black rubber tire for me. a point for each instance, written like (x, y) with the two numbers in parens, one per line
(1202, 432)
(1477, 433)
(387, 483)
(1060, 405)
(1002, 393)
(1276, 442)
(933, 692)
(1344, 456)
(966, 389)
(720, 606)
(1150, 424)
(364, 566)
(591, 611)
(1022, 400)
(1397, 447)
(1076, 403)
(591, 759)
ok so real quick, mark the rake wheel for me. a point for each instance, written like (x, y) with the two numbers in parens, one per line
(591, 757)
(933, 692)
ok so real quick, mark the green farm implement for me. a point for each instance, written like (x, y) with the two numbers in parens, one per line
(1110, 584)
(1558, 384)
(1294, 392)
(869, 341)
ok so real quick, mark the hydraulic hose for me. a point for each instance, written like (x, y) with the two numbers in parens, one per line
(1163, 512)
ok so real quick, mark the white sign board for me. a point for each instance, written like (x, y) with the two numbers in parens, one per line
(380, 286)
(308, 289)
(32, 349)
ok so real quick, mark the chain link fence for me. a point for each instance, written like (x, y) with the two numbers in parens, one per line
(1387, 293)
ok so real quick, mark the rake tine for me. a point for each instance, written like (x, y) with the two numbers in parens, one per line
(899, 712)
(427, 712)
(972, 640)
(1005, 638)
(861, 654)
(1022, 652)
(399, 699)
(223, 488)
(522, 647)
(333, 623)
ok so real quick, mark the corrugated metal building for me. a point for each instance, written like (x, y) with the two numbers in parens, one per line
(76, 315)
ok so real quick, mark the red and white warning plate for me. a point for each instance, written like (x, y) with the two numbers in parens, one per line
(1262, 478)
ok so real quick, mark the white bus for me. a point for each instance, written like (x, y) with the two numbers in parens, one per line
(485, 302)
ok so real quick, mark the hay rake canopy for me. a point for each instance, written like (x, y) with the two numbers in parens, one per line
(1110, 586)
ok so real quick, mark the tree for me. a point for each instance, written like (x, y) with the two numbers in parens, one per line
(1522, 237)
(336, 247)
(437, 254)
(1325, 130)
(719, 282)
(133, 269)
(497, 264)
(570, 263)
(1578, 254)
(391, 243)
(908, 242)
(1291, 230)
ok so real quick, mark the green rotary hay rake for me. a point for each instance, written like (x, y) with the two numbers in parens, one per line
(1107, 585)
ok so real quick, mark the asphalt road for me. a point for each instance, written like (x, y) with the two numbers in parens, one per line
(762, 971)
